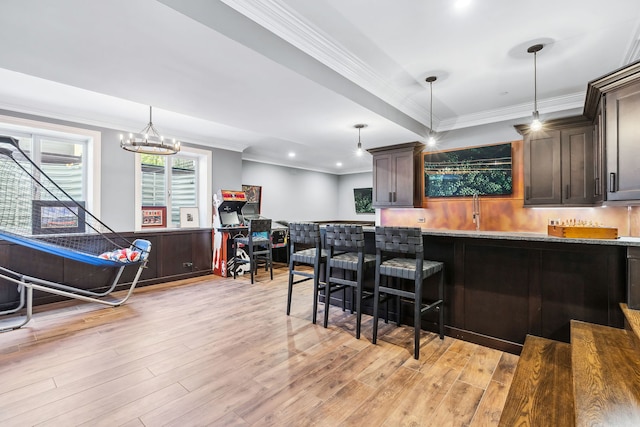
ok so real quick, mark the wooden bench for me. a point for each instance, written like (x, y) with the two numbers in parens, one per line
(541, 393)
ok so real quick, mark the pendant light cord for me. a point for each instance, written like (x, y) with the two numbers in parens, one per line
(431, 108)
(535, 81)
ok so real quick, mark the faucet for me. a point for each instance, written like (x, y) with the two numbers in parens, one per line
(476, 211)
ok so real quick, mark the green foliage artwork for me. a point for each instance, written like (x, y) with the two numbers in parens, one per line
(480, 170)
(364, 200)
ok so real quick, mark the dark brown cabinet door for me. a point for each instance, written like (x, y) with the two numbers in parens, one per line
(382, 180)
(404, 179)
(577, 166)
(623, 143)
(542, 178)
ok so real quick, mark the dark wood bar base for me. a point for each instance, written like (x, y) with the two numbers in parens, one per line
(498, 291)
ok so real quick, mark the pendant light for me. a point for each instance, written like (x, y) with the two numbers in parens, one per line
(359, 147)
(149, 141)
(536, 124)
(432, 139)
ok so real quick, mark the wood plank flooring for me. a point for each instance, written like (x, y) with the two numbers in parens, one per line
(214, 351)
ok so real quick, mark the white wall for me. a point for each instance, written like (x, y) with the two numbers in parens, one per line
(293, 194)
(345, 200)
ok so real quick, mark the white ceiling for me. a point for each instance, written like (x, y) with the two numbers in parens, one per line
(267, 77)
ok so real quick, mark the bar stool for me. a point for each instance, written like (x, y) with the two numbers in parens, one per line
(391, 241)
(305, 234)
(349, 238)
(257, 244)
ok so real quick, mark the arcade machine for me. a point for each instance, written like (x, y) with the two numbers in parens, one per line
(227, 224)
(232, 213)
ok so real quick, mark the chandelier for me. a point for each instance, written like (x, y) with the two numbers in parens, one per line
(149, 141)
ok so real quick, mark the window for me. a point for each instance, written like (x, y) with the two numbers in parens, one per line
(65, 154)
(63, 160)
(181, 180)
(169, 181)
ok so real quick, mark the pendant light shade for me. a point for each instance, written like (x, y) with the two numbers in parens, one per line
(431, 142)
(536, 124)
(359, 146)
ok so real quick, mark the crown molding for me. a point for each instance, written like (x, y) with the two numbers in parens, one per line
(277, 17)
(546, 106)
(286, 23)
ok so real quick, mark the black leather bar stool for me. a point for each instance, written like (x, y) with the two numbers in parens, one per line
(390, 242)
(257, 245)
(305, 249)
(350, 239)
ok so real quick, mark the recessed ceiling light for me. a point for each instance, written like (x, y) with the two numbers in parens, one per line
(292, 154)
(462, 4)
(339, 164)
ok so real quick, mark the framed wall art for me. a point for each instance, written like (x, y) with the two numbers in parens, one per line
(154, 216)
(189, 217)
(54, 216)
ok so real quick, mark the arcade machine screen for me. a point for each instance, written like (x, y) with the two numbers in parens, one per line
(229, 219)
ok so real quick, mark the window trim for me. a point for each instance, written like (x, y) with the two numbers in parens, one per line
(205, 195)
(93, 172)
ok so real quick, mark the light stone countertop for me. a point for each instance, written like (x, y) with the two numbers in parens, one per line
(532, 237)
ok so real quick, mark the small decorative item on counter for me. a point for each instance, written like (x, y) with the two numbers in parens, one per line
(580, 229)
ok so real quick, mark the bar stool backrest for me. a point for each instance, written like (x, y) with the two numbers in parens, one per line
(259, 225)
(407, 240)
(345, 236)
(305, 233)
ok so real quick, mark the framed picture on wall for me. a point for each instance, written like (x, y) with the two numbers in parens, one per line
(189, 217)
(363, 199)
(154, 216)
(53, 216)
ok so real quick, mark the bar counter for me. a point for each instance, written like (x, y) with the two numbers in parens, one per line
(501, 286)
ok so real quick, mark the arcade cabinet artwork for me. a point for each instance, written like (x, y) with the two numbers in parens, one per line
(227, 223)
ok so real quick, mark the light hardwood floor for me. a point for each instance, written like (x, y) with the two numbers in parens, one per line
(214, 351)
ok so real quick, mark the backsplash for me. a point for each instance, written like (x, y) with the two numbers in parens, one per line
(508, 213)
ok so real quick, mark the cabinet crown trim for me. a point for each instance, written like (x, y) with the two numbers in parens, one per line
(417, 146)
(611, 81)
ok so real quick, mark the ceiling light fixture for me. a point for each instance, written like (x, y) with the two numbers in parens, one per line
(536, 124)
(359, 149)
(432, 139)
(149, 141)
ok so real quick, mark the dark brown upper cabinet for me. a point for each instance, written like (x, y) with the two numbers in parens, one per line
(613, 103)
(397, 175)
(560, 163)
